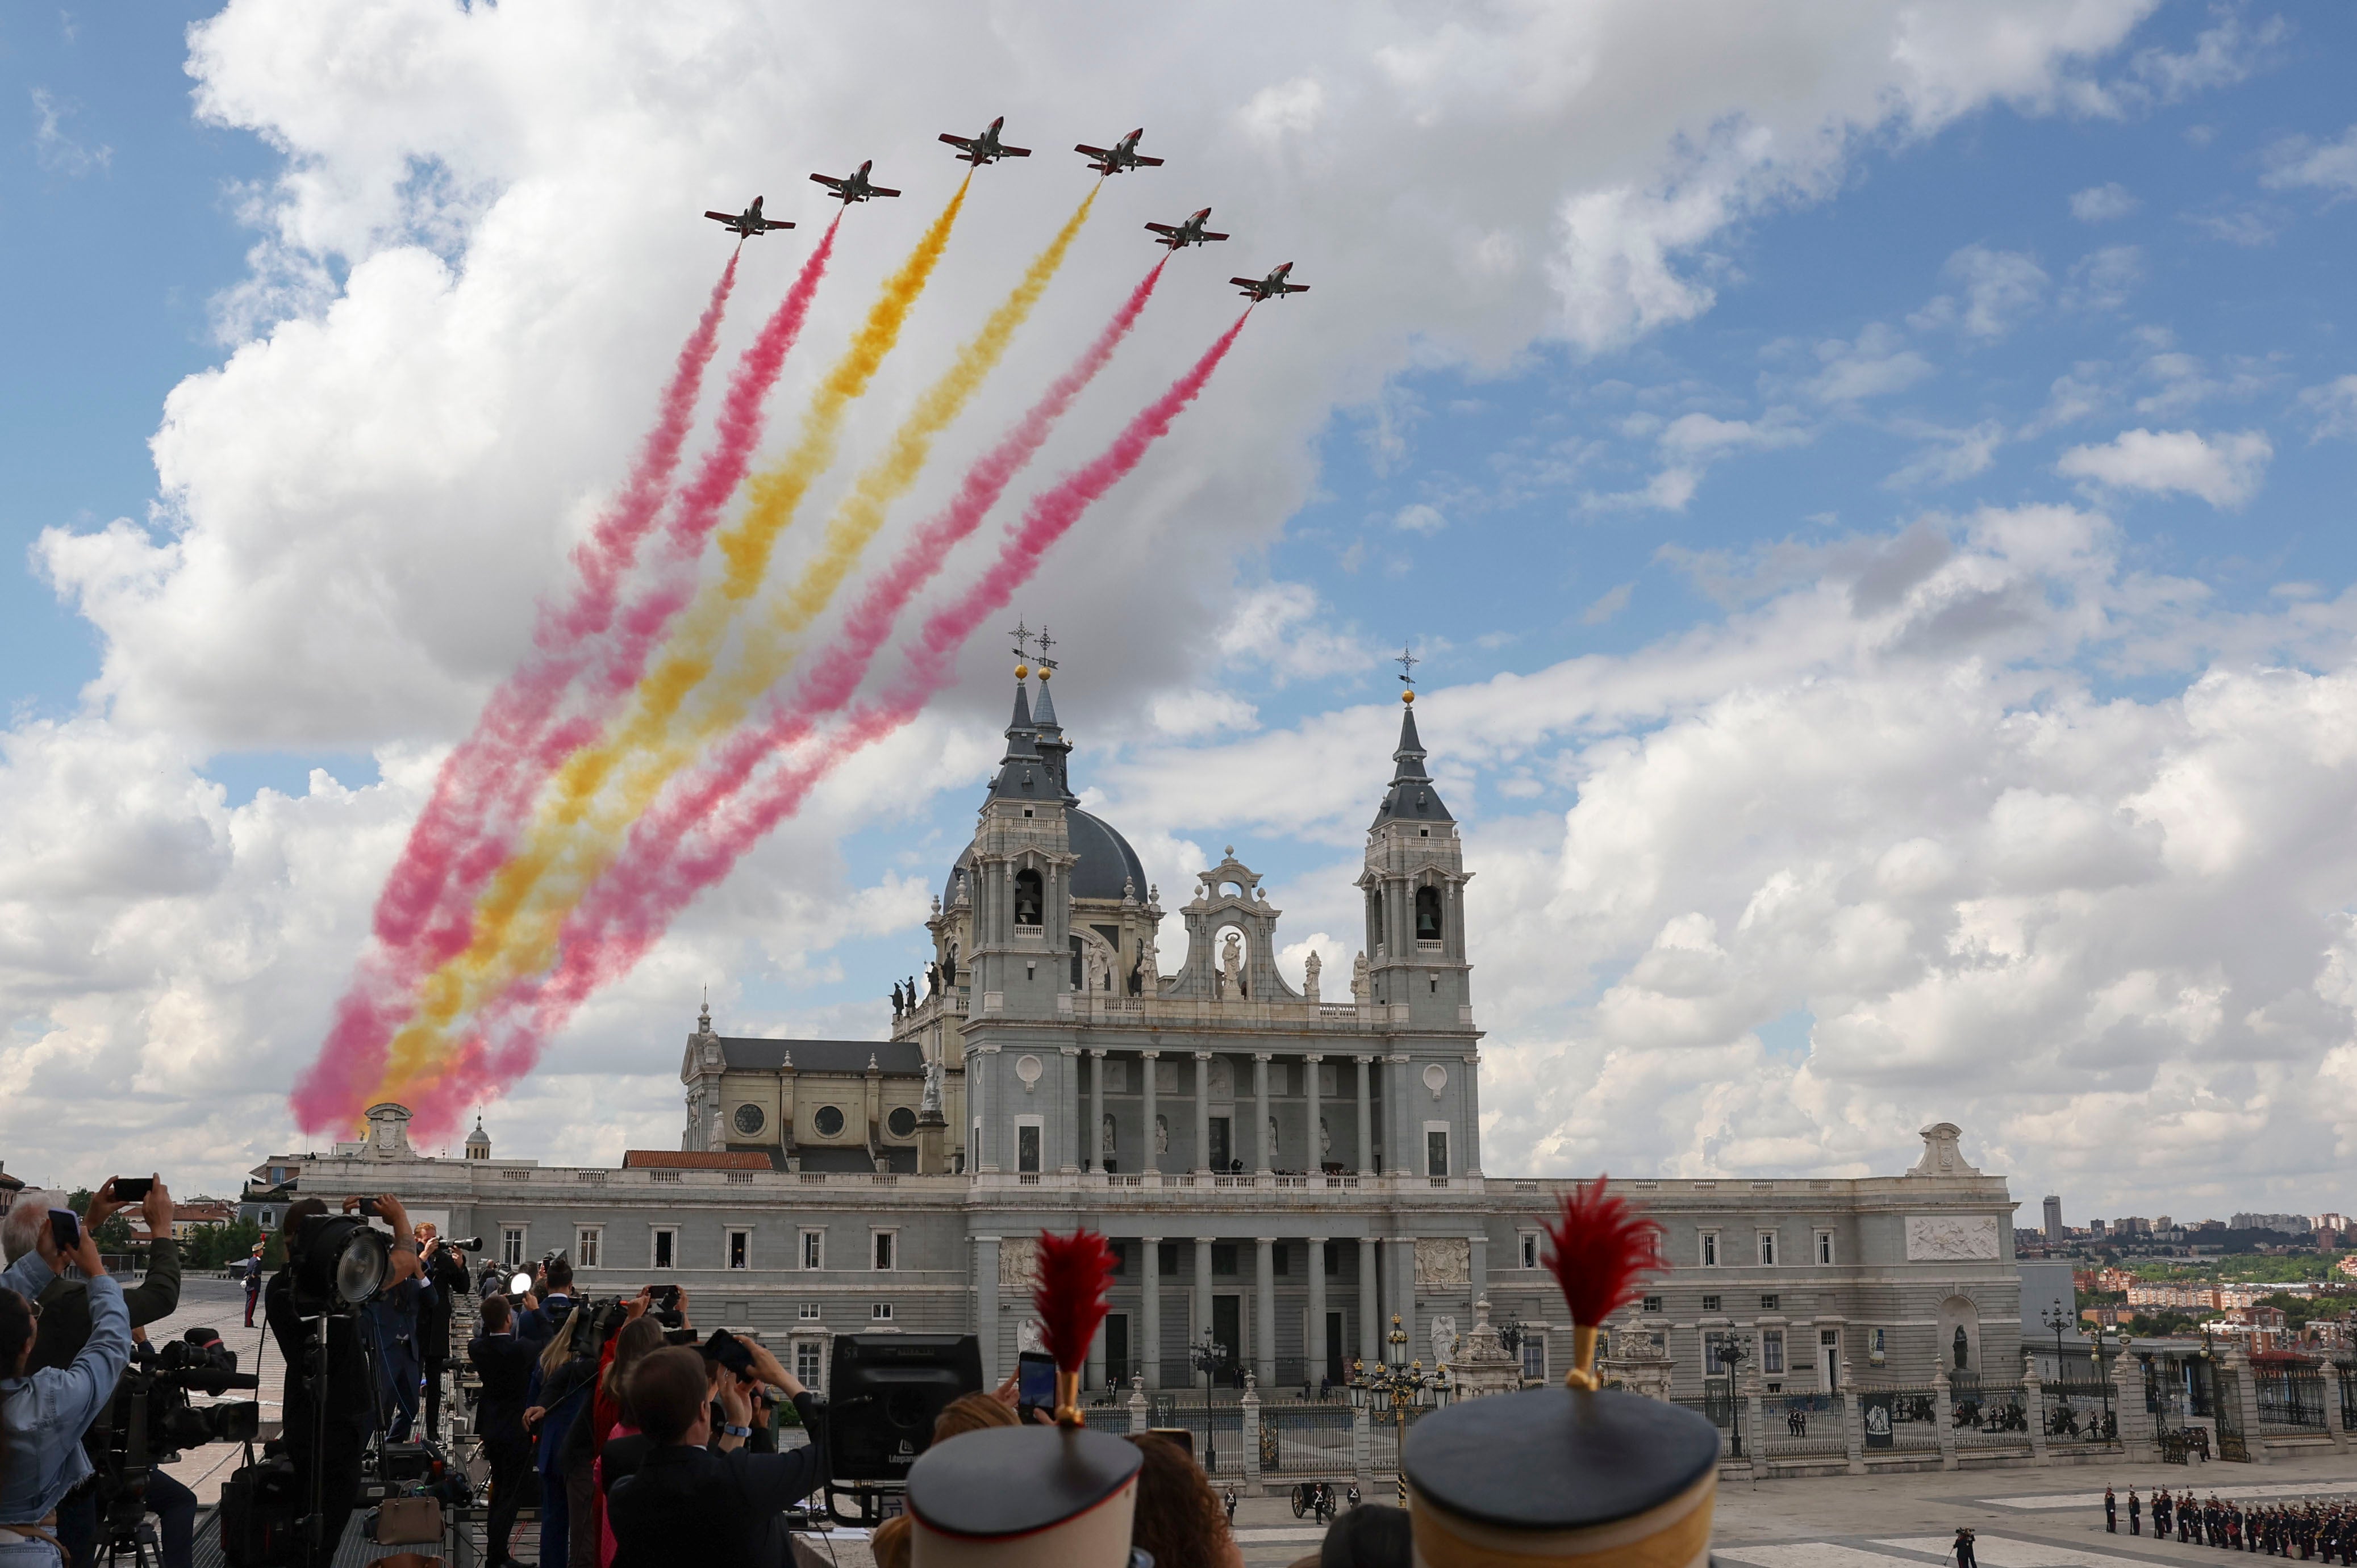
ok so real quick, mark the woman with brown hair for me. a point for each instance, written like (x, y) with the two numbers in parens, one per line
(1180, 1518)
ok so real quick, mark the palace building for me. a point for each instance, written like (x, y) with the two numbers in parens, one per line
(1282, 1164)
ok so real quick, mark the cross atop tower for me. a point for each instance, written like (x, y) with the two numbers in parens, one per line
(1046, 642)
(1022, 636)
(1408, 661)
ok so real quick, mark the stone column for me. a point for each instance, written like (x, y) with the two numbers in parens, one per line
(1317, 1164)
(1852, 1424)
(1067, 1106)
(1096, 1110)
(983, 1157)
(1202, 1112)
(1313, 1339)
(1265, 1310)
(1477, 1247)
(2033, 1410)
(1267, 1163)
(2138, 1444)
(1366, 1115)
(1471, 1164)
(1755, 1411)
(2247, 1402)
(1150, 1157)
(1371, 1304)
(1363, 1442)
(1402, 1302)
(1141, 1415)
(985, 1306)
(1397, 1115)
(1149, 1313)
(1203, 1320)
(1944, 1411)
(1249, 1410)
(2332, 1416)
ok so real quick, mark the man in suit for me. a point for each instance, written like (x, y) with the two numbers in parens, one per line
(688, 1504)
(538, 1327)
(445, 1272)
(504, 1363)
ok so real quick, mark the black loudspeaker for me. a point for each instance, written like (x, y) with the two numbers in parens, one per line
(259, 1507)
(883, 1393)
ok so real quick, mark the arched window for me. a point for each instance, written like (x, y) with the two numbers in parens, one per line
(1030, 898)
(1964, 1351)
(1427, 913)
(1375, 918)
(1076, 960)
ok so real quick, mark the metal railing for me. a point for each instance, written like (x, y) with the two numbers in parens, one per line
(1797, 1425)
(1984, 1421)
(2082, 1414)
(1305, 1439)
(1899, 1420)
(2290, 1397)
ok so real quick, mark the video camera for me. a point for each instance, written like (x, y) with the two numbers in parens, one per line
(151, 1418)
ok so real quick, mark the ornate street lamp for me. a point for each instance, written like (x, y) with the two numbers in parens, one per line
(1209, 1355)
(1731, 1356)
(1396, 1384)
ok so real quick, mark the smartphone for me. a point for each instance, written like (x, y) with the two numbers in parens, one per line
(65, 1229)
(730, 1353)
(664, 1297)
(1035, 1383)
(369, 1209)
(679, 1336)
(132, 1188)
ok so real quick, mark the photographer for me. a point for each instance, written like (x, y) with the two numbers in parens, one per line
(504, 1363)
(445, 1272)
(45, 1411)
(690, 1504)
(327, 1427)
(552, 1300)
(65, 1322)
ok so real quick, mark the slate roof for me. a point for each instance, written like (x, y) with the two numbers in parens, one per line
(690, 1160)
(894, 1059)
(1410, 796)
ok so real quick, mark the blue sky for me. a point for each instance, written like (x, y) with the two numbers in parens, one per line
(1613, 415)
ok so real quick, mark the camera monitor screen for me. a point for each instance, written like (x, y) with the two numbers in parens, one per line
(883, 1393)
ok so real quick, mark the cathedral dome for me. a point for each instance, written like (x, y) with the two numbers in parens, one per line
(1107, 865)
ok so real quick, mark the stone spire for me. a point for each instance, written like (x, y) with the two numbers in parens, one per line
(1022, 773)
(1411, 796)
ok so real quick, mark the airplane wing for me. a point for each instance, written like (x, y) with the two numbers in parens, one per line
(1247, 283)
(1149, 163)
(1015, 151)
(1092, 152)
(957, 141)
(828, 180)
(776, 223)
(722, 217)
(1296, 288)
(1162, 227)
(879, 190)
(1214, 236)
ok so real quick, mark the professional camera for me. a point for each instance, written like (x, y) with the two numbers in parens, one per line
(463, 1244)
(152, 1418)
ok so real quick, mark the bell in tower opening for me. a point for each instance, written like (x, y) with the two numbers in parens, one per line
(1427, 913)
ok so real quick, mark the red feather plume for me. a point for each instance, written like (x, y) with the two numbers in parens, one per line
(1074, 1270)
(1598, 1251)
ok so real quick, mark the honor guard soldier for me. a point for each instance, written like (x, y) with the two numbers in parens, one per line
(1577, 1474)
(1017, 1495)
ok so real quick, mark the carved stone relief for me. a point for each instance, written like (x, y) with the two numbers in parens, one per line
(1933, 1237)
(1018, 1260)
(1443, 1260)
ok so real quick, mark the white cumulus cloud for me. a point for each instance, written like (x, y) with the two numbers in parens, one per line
(2224, 469)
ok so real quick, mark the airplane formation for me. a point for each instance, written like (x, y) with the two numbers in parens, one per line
(988, 148)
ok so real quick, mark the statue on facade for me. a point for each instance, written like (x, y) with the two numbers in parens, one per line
(1095, 966)
(1231, 967)
(911, 994)
(933, 1096)
(1162, 1134)
(1309, 968)
(932, 980)
(1358, 983)
(899, 1003)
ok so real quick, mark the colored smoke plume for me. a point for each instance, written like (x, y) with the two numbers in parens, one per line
(635, 903)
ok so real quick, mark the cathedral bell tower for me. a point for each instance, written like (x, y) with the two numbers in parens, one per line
(1414, 889)
(1019, 952)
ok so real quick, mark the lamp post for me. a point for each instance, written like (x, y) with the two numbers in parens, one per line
(1208, 1355)
(1730, 1355)
(2056, 1318)
(1396, 1384)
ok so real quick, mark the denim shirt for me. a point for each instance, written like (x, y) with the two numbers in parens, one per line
(47, 1412)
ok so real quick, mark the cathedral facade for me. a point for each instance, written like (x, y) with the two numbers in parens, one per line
(1283, 1164)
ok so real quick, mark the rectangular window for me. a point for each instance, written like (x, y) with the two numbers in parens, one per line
(880, 1313)
(813, 1249)
(1530, 1248)
(1026, 1148)
(1534, 1356)
(1771, 1352)
(1824, 1246)
(1715, 1343)
(1653, 1304)
(1710, 1249)
(1223, 1258)
(809, 1313)
(1767, 1248)
(512, 1246)
(884, 1240)
(666, 1248)
(1768, 1302)
(588, 1242)
(806, 1362)
(1120, 1251)
(740, 1248)
(1436, 1154)
(1710, 1304)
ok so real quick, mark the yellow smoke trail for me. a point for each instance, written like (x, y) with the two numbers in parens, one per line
(521, 912)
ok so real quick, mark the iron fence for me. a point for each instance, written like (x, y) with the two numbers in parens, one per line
(1306, 1439)
(2290, 1397)
(1998, 1419)
(1792, 1426)
(1383, 1435)
(2348, 1376)
(1899, 1420)
(2082, 1413)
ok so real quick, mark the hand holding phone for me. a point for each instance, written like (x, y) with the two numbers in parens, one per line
(730, 1353)
(65, 1229)
(126, 1190)
(1034, 1382)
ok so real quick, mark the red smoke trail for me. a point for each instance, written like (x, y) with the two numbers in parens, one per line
(636, 900)
(514, 748)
